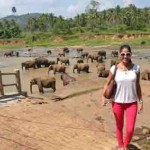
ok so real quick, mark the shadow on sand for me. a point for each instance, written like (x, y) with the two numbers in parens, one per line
(133, 147)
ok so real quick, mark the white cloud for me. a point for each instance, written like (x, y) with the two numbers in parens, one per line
(127, 2)
(4, 3)
(81, 5)
(66, 8)
(25, 6)
(75, 9)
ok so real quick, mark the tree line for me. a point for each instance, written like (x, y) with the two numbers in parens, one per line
(114, 19)
(9, 29)
(119, 19)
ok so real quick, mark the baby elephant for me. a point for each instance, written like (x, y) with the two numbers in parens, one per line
(100, 68)
(66, 78)
(103, 73)
(57, 68)
(43, 82)
(28, 64)
(145, 75)
(81, 67)
(63, 60)
(80, 61)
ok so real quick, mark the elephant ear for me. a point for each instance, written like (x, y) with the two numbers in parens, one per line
(40, 86)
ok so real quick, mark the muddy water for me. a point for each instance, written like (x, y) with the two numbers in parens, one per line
(141, 57)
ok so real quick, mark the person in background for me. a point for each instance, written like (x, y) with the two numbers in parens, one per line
(128, 97)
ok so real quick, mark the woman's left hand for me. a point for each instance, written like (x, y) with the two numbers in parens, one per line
(140, 108)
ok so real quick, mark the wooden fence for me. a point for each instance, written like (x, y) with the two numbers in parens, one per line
(16, 73)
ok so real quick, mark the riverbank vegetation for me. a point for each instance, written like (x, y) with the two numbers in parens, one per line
(91, 28)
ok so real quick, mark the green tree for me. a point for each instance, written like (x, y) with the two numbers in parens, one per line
(32, 24)
(92, 14)
(14, 10)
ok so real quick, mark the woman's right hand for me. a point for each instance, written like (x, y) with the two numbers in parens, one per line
(140, 108)
(104, 101)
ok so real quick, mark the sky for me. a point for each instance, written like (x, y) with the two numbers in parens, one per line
(65, 8)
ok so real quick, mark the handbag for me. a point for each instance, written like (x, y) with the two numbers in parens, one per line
(111, 89)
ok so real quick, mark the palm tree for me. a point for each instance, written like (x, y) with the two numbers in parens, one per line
(14, 10)
(51, 19)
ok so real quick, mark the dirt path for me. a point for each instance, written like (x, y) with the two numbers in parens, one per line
(39, 124)
(75, 123)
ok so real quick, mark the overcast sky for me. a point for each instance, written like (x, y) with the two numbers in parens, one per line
(66, 8)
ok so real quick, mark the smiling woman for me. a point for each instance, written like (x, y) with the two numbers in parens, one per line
(128, 92)
(125, 54)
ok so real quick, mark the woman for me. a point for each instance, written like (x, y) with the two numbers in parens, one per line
(128, 97)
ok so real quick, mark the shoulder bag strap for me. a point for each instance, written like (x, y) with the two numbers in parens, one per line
(115, 72)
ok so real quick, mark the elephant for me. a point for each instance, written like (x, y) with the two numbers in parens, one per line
(80, 61)
(79, 50)
(103, 73)
(145, 75)
(93, 57)
(84, 55)
(66, 50)
(49, 52)
(51, 62)
(114, 62)
(17, 54)
(41, 61)
(100, 68)
(100, 59)
(43, 82)
(63, 60)
(57, 68)
(11, 53)
(30, 49)
(61, 54)
(81, 67)
(102, 53)
(28, 64)
(114, 54)
(66, 78)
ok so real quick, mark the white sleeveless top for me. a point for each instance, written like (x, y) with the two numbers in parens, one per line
(126, 85)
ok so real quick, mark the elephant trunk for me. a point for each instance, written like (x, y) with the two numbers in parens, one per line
(75, 67)
(31, 87)
(22, 65)
(54, 86)
(73, 70)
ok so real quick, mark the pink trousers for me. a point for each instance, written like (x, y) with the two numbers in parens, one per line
(130, 111)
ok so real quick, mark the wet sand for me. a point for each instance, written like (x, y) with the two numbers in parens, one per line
(77, 123)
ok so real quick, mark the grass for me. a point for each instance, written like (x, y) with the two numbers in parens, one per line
(146, 145)
(47, 40)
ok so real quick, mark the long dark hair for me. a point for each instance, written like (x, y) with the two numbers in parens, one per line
(128, 48)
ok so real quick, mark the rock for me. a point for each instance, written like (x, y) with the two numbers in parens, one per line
(136, 138)
(148, 138)
(146, 131)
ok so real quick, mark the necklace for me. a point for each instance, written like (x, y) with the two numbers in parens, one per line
(125, 69)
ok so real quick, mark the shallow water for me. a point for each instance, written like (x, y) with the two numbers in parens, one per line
(10, 63)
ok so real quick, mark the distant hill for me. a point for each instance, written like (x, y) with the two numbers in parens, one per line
(22, 19)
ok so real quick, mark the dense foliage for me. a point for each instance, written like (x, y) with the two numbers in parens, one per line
(116, 19)
(9, 29)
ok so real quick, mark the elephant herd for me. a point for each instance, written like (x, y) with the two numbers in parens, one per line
(37, 63)
(59, 66)
(11, 54)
